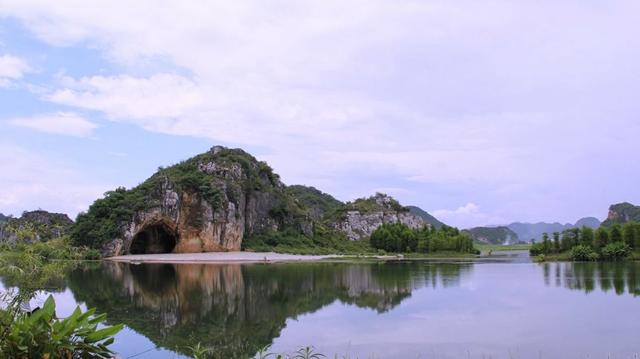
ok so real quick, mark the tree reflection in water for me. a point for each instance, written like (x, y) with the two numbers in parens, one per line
(622, 277)
(238, 309)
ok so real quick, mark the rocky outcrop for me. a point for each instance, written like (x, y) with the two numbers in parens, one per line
(360, 218)
(34, 226)
(622, 213)
(207, 203)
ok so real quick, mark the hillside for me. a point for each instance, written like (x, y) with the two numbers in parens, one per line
(428, 218)
(358, 219)
(34, 226)
(210, 202)
(227, 200)
(622, 213)
(316, 202)
(493, 235)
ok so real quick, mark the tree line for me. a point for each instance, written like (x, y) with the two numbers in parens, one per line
(398, 237)
(605, 243)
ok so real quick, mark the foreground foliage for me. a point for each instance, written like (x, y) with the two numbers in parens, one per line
(40, 334)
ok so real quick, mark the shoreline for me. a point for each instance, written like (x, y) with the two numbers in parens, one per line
(273, 257)
(220, 257)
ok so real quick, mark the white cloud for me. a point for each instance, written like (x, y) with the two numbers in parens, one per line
(489, 96)
(61, 123)
(11, 68)
(30, 180)
(466, 216)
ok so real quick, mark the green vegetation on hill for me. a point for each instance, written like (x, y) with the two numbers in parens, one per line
(612, 243)
(317, 202)
(106, 217)
(376, 203)
(428, 218)
(34, 226)
(397, 237)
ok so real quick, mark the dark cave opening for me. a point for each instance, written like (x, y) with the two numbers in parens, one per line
(153, 239)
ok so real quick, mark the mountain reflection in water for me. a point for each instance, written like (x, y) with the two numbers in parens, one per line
(238, 309)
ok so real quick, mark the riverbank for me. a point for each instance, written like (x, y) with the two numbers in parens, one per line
(272, 257)
(219, 257)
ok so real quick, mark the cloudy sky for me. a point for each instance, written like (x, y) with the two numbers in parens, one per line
(481, 112)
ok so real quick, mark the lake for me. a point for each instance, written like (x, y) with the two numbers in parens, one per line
(507, 308)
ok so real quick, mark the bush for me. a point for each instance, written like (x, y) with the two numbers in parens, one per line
(41, 335)
(583, 253)
(616, 251)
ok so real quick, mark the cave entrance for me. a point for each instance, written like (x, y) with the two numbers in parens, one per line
(156, 238)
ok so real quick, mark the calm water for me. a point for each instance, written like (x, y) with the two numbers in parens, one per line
(383, 310)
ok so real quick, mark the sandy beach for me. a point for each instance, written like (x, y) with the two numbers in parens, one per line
(218, 257)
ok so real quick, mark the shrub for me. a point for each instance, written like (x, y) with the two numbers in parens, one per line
(616, 251)
(41, 335)
(583, 253)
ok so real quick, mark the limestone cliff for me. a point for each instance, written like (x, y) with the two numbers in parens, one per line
(207, 203)
(360, 218)
(622, 213)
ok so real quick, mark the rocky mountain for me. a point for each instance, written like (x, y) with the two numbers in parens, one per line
(358, 219)
(622, 213)
(533, 231)
(207, 203)
(493, 235)
(428, 218)
(34, 226)
(215, 200)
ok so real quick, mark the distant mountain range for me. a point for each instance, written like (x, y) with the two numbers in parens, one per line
(525, 232)
(533, 231)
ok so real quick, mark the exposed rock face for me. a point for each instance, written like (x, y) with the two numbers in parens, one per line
(364, 216)
(34, 226)
(622, 213)
(205, 204)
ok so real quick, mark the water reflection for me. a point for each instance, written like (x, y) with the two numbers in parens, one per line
(239, 309)
(621, 277)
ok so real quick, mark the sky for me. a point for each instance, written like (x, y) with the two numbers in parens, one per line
(480, 112)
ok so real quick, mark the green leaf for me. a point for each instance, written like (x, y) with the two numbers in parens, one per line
(103, 333)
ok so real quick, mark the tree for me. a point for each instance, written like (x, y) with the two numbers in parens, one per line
(629, 234)
(601, 238)
(616, 233)
(586, 236)
(546, 244)
(556, 242)
(567, 241)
